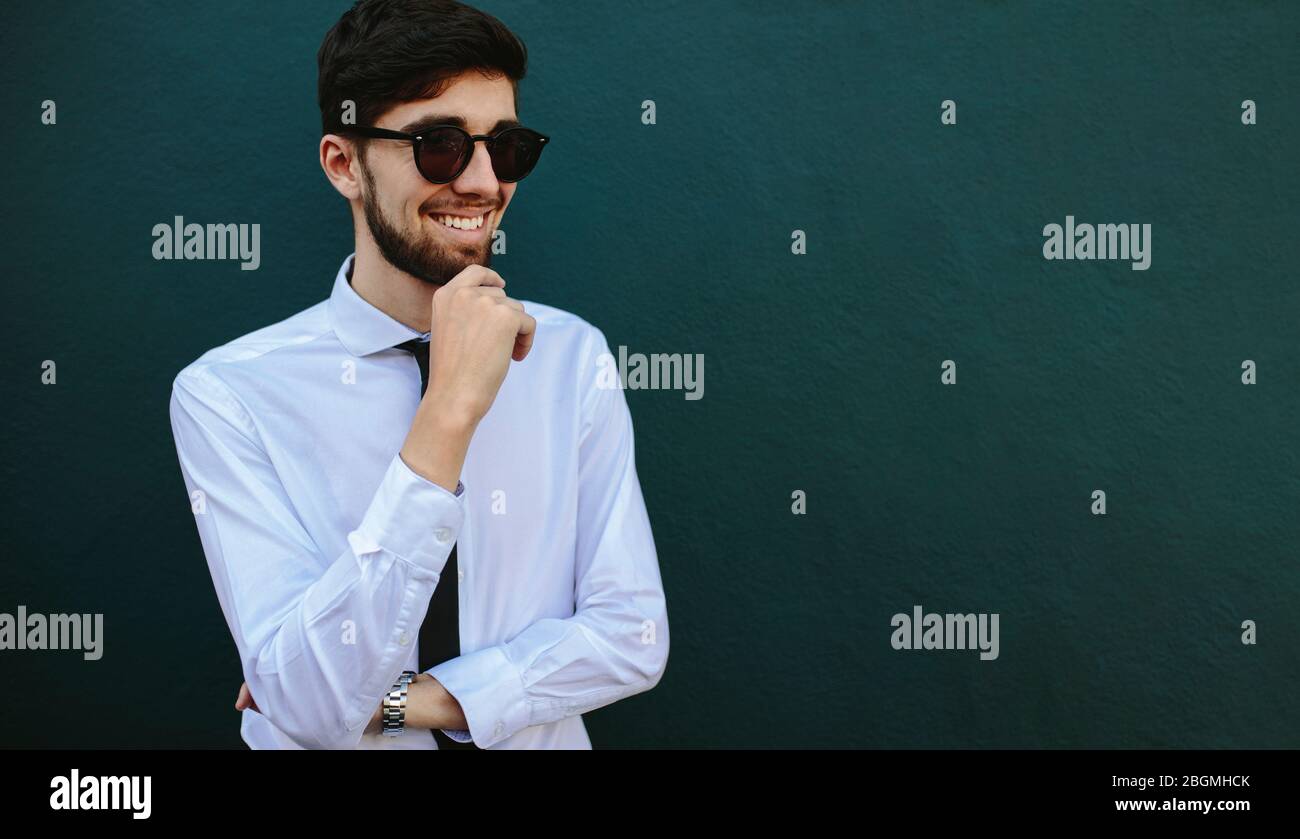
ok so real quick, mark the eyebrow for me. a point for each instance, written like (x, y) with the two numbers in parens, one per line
(430, 120)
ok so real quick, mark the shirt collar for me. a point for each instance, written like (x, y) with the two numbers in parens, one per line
(360, 327)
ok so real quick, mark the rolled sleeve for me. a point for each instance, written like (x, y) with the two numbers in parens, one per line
(426, 540)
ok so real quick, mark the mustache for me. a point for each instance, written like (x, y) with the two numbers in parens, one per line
(459, 210)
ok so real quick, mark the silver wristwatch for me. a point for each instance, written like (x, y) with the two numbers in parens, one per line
(394, 705)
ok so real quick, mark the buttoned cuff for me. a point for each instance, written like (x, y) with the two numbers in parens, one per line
(490, 692)
(411, 517)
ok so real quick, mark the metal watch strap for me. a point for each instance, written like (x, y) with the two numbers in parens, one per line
(394, 705)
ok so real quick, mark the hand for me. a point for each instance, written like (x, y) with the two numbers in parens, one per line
(245, 699)
(475, 330)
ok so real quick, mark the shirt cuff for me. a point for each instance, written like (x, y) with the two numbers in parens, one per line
(411, 517)
(490, 691)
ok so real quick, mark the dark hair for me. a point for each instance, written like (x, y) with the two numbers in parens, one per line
(385, 52)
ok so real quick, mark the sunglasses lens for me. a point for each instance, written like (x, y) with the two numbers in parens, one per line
(515, 153)
(442, 152)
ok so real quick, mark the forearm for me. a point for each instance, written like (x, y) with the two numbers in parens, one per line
(439, 438)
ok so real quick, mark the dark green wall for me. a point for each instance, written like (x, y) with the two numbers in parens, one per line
(822, 370)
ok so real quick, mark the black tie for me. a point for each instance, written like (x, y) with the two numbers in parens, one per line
(440, 632)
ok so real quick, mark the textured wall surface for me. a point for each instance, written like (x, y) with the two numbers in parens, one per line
(822, 370)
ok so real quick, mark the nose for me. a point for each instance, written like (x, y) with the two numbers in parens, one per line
(478, 176)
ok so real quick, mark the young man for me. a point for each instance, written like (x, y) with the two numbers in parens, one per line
(420, 509)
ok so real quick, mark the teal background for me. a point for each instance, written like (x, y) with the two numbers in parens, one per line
(821, 370)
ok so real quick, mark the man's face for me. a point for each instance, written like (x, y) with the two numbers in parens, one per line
(406, 214)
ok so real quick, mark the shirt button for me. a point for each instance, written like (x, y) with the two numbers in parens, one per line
(404, 639)
(460, 573)
(500, 727)
(442, 534)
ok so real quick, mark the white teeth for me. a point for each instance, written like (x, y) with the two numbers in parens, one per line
(461, 223)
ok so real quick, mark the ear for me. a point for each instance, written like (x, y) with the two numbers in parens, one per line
(337, 156)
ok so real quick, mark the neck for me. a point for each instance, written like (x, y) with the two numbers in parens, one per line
(397, 294)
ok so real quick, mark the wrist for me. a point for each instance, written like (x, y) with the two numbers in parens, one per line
(447, 416)
(393, 707)
(436, 445)
(431, 705)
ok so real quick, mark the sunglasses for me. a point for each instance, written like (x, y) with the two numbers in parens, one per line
(443, 151)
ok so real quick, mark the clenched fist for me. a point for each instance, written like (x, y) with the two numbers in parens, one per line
(476, 330)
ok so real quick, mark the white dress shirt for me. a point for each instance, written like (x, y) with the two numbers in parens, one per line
(325, 547)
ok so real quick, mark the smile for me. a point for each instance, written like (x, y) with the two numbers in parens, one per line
(468, 226)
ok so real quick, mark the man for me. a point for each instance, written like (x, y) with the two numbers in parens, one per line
(420, 509)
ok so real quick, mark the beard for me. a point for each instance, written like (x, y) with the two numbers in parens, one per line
(417, 252)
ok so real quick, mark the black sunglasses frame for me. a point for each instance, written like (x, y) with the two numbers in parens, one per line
(416, 140)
